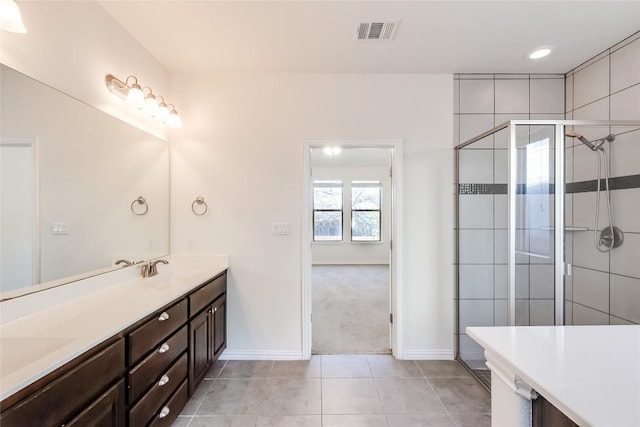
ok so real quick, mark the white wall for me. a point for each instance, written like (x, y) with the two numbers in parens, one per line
(243, 151)
(348, 252)
(72, 45)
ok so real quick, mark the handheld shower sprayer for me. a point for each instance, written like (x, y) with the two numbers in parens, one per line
(610, 237)
(595, 145)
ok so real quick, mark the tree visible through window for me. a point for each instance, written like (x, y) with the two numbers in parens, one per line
(327, 211)
(365, 211)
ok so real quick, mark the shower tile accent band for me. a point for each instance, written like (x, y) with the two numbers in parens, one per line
(618, 183)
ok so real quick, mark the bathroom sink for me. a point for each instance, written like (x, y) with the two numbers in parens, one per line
(17, 352)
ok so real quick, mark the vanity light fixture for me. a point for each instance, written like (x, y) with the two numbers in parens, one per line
(134, 94)
(10, 18)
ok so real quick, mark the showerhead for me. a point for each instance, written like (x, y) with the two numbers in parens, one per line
(582, 139)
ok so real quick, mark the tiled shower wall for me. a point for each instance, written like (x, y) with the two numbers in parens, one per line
(481, 102)
(605, 287)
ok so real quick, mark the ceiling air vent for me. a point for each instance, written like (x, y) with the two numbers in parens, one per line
(377, 30)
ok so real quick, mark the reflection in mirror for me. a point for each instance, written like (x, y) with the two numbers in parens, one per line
(69, 175)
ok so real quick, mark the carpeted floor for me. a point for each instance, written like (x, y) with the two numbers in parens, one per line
(350, 309)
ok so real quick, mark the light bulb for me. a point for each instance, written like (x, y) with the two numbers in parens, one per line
(135, 96)
(174, 120)
(163, 112)
(151, 104)
(10, 19)
(328, 151)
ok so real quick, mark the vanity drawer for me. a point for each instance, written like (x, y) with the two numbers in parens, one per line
(206, 294)
(170, 410)
(69, 394)
(156, 330)
(152, 402)
(150, 369)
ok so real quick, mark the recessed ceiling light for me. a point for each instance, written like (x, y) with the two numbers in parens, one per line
(540, 53)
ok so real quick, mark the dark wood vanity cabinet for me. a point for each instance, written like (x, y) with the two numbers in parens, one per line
(141, 377)
(91, 383)
(207, 328)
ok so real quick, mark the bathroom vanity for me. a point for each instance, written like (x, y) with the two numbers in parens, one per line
(128, 352)
(574, 375)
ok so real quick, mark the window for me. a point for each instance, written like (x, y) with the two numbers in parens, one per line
(327, 211)
(365, 211)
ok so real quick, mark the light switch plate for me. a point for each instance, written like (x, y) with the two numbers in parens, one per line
(60, 228)
(280, 228)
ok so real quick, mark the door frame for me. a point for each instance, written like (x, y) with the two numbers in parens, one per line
(396, 288)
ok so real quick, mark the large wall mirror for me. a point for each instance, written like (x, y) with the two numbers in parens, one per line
(70, 176)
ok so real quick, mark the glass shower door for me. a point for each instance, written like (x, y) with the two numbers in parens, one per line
(532, 262)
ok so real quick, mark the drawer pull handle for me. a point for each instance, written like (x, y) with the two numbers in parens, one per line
(165, 411)
(164, 316)
(163, 348)
(163, 381)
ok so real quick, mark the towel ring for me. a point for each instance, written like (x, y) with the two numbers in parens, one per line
(199, 201)
(141, 201)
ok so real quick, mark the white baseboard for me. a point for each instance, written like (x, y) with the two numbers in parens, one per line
(347, 262)
(260, 355)
(428, 355)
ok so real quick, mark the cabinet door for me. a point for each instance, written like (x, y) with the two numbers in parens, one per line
(200, 346)
(219, 325)
(107, 411)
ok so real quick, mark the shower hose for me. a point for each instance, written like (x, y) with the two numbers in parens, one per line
(601, 154)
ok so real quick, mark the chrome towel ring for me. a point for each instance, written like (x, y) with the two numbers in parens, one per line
(140, 201)
(199, 201)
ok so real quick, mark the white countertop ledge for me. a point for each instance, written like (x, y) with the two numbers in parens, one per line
(35, 340)
(590, 373)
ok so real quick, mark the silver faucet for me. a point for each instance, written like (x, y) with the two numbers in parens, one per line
(126, 262)
(151, 268)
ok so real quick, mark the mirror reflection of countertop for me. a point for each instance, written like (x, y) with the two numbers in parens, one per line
(43, 331)
(590, 373)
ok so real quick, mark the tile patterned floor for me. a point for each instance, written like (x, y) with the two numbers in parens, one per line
(338, 391)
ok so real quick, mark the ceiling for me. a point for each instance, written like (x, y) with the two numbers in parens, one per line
(319, 36)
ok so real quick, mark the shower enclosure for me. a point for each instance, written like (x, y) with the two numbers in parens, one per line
(515, 228)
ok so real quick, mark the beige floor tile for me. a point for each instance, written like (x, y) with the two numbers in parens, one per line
(234, 397)
(290, 421)
(297, 368)
(343, 396)
(388, 366)
(345, 366)
(408, 396)
(285, 396)
(354, 421)
(223, 421)
(247, 369)
(442, 368)
(420, 420)
(462, 395)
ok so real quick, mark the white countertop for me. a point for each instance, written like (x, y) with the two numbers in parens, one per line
(590, 373)
(33, 344)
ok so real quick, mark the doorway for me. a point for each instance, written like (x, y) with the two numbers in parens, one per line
(19, 260)
(350, 272)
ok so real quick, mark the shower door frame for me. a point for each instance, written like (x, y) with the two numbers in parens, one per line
(559, 207)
